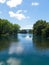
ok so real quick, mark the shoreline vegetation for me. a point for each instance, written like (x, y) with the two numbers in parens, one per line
(41, 28)
(7, 28)
(25, 31)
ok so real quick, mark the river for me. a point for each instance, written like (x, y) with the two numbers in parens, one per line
(24, 49)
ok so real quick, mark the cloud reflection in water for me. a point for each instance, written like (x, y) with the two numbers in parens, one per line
(2, 63)
(13, 61)
(16, 48)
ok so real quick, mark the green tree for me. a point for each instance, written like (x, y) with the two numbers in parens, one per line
(45, 31)
(8, 28)
(38, 26)
(41, 28)
(15, 28)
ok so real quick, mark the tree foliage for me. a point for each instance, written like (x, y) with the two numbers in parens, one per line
(23, 31)
(8, 28)
(41, 27)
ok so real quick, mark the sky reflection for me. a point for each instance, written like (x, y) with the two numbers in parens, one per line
(11, 61)
(16, 48)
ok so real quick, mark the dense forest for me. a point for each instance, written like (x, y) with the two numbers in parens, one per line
(7, 28)
(41, 27)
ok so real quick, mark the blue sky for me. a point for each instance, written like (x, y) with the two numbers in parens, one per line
(24, 12)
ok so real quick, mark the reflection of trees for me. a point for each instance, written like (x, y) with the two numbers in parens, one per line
(13, 38)
(39, 42)
(4, 44)
(5, 41)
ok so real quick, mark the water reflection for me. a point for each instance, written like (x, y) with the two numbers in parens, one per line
(16, 49)
(5, 41)
(22, 51)
(11, 61)
(40, 43)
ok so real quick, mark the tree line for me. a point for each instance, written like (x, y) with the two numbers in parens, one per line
(41, 27)
(7, 28)
(24, 31)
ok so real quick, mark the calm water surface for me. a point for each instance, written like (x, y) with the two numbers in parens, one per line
(24, 49)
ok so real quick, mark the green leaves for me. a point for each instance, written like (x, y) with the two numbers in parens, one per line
(8, 28)
(41, 27)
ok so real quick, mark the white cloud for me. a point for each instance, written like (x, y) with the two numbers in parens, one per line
(2, 1)
(35, 3)
(19, 11)
(14, 3)
(18, 15)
